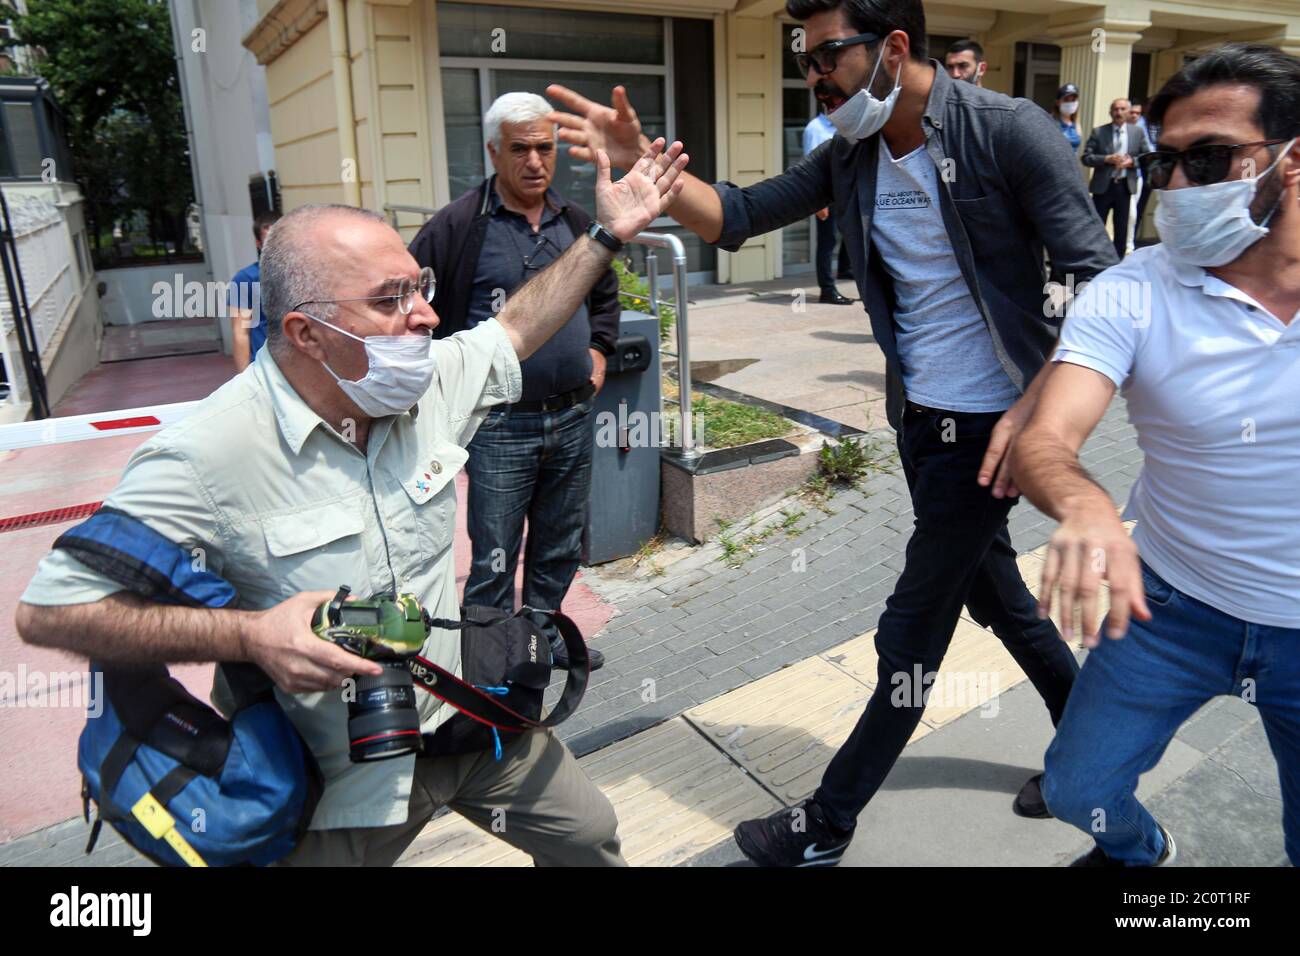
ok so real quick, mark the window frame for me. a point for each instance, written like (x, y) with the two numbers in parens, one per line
(483, 65)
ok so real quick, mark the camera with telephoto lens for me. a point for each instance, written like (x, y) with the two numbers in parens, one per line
(383, 721)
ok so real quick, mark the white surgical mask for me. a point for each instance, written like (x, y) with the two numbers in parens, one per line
(862, 115)
(401, 371)
(1069, 109)
(1211, 225)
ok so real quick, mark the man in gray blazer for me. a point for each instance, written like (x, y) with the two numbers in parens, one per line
(1111, 152)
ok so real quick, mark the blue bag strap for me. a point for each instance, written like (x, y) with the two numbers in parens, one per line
(145, 562)
(142, 560)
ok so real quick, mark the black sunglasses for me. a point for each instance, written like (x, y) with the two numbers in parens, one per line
(1204, 165)
(822, 59)
(540, 244)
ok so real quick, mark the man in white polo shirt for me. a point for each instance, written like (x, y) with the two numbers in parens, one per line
(1202, 334)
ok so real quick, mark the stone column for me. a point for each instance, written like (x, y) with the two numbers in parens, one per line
(1096, 55)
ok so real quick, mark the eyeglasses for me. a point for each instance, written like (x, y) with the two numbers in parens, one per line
(423, 285)
(1204, 165)
(823, 58)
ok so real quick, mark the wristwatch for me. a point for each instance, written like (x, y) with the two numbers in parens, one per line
(606, 238)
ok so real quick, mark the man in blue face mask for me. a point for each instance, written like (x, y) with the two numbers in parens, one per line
(1202, 335)
(946, 196)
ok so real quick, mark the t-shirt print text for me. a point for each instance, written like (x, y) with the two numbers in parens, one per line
(902, 199)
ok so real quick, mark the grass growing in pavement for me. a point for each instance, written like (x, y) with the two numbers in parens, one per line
(737, 550)
(645, 555)
(845, 464)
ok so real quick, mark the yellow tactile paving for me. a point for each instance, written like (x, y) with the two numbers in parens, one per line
(976, 669)
(784, 728)
(675, 796)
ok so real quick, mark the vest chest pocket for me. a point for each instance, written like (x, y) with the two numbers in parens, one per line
(318, 548)
(431, 489)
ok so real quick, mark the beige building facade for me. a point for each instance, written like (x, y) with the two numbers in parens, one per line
(379, 104)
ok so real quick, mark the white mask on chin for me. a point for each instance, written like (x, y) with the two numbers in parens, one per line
(1210, 226)
(862, 115)
(401, 369)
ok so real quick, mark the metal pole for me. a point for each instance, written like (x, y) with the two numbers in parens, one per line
(652, 276)
(664, 240)
(683, 350)
(21, 312)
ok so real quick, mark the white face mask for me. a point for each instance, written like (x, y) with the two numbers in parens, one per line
(401, 371)
(1069, 109)
(1211, 225)
(862, 115)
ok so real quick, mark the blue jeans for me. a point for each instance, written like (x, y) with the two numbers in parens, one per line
(534, 465)
(960, 553)
(1133, 694)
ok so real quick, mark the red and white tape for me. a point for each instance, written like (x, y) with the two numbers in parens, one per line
(126, 421)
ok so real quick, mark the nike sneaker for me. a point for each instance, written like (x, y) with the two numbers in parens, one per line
(798, 836)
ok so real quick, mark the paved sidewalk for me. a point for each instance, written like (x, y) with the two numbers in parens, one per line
(681, 786)
(728, 682)
(706, 628)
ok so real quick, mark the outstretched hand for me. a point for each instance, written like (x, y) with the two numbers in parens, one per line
(628, 206)
(590, 126)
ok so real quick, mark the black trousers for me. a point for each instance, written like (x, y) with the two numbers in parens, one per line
(826, 239)
(1115, 198)
(960, 553)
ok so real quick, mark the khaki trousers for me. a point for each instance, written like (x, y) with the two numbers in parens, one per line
(535, 797)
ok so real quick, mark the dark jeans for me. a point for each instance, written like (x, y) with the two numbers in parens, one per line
(534, 465)
(1116, 198)
(960, 553)
(827, 237)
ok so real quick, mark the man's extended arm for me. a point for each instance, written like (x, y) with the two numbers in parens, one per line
(546, 302)
(779, 201)
(1090, 542)
(123, 627)
(74, 608)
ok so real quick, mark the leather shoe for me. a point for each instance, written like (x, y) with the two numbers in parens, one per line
(833, 297)
(1029, 801)
(560, 657)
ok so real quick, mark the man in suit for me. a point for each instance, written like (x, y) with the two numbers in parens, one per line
(1111, 152)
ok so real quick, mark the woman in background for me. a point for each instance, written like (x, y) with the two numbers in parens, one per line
(1067, 107)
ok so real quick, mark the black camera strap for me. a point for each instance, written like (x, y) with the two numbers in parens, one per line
(485, 708)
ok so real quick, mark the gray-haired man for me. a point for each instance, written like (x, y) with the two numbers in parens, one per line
(532, 458)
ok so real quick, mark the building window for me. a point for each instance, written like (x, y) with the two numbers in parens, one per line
(20, 146)
(31, 132)
(489, 50)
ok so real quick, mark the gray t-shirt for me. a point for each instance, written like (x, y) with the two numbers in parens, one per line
(944, 346)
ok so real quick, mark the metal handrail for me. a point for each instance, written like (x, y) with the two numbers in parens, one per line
(656, 240)
(394, 208)
(665, 240)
